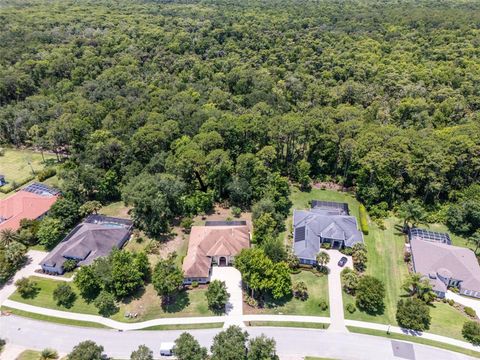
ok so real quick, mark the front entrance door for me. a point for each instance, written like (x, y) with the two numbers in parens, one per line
(222, 261)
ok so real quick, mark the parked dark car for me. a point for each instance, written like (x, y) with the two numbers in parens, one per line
(342, 261)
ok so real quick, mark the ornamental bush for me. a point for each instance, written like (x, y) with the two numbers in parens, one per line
(363, 219)
(471, 332)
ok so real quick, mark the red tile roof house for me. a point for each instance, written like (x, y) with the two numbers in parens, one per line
(25, 204)
(215, 244)
(446, 265)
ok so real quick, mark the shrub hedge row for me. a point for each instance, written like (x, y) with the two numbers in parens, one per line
(363, 219)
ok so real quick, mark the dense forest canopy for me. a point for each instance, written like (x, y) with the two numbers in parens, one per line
(173, 105)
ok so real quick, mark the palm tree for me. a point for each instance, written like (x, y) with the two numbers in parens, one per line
(412, 213)
(418, 286)
(322, 259)
(7, 237)
(48, 354)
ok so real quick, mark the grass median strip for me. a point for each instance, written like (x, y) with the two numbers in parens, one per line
(53, 319)
(414, 339)
(294, 324)
(185, 326)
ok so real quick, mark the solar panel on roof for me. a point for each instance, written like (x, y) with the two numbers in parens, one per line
(41, 189)
(300, 234)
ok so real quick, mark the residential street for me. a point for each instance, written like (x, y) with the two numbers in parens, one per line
(308, 342)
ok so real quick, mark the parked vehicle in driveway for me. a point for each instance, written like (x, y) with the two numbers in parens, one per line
(342, 261)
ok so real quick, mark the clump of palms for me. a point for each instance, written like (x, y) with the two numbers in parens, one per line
(300, 290)
(322, 260)
(418, 286)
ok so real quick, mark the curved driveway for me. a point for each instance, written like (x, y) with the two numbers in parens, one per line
(291, 343)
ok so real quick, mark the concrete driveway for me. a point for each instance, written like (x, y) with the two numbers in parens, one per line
(233, 280)
(335, 291)
(465, 301)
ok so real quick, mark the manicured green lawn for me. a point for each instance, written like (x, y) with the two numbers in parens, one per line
(29, 355)
(116, 209)
(15, 164)
(147, 304)
(447, 321)
(294, 324)
(214, 325)
(317, 289)
(53, 319)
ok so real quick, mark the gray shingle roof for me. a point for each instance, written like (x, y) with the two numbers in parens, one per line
(89, 240)
(310, 225)
(436, 258)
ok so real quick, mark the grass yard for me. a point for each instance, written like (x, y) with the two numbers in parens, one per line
(385, 261)
(53, 319)
(147, 305)
(294, 324)
(15, 164)
(115, 209)
(414, 339)
(215, 325)
(447, 321)
(29, 355)
(317, 290)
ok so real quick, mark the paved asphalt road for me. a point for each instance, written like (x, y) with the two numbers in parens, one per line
(291, 343)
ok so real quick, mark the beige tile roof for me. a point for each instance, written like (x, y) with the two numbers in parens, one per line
(208, 241)
(438, 258)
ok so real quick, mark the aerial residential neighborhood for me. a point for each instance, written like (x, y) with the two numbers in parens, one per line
(250, 180)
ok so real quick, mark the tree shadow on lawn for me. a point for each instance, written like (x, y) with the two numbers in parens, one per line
(379, 311)
(177, 304)
(135, 296)
(271, 303)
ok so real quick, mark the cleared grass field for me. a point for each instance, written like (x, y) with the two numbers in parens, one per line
(17, 165)
(147, 304)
